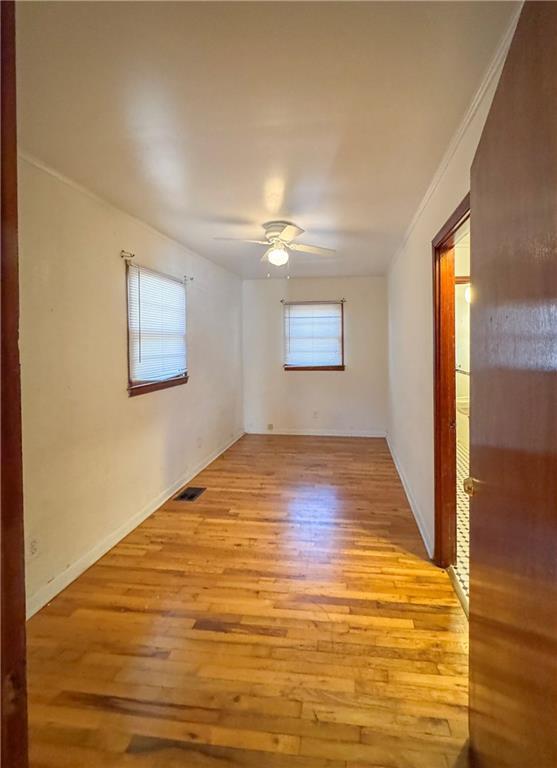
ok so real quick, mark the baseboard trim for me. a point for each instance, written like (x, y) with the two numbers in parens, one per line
(49, 591)
(320, 432)
(414, 506)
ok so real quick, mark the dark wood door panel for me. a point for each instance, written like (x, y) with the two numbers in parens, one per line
(513, 601)
(14, 702)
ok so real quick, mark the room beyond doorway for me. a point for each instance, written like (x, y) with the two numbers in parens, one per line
(452, 296)
(463, 297)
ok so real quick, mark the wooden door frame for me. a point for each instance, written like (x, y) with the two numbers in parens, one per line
(444, 389)
(12, 573)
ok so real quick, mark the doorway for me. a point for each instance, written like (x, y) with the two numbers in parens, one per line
(452, 297)
(463, 297)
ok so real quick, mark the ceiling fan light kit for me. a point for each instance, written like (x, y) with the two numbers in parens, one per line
(279, 236)
(277, 255)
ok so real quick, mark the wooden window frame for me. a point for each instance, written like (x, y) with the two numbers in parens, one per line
(154, 386)
(144, 387)
(340, 367)
(444, 386)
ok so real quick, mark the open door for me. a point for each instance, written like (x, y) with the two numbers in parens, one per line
(12, 582)
(513, 600)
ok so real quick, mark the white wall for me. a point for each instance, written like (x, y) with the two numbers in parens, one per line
(410, 303)
(350, 402)
(96, 462)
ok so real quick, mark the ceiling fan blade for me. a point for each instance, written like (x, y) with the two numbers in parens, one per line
(242, 240)
(311, 249)
(290, 232)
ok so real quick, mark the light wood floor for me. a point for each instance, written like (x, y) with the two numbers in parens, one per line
(288, 618)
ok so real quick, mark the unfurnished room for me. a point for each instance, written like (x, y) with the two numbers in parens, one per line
(279, 384)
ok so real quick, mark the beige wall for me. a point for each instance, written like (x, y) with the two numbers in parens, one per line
(350, 402)
(96, 462)
(411, 320)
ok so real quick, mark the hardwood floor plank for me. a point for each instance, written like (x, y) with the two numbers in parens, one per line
(288, 618)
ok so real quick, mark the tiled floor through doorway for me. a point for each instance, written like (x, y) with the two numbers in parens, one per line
(462, 566)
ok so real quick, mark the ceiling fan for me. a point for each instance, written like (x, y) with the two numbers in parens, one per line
(279, 236)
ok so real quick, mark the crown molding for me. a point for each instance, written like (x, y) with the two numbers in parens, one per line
(45, 168)
(493, 71)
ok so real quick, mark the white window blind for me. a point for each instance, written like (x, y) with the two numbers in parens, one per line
(313, 335)
(156, 326)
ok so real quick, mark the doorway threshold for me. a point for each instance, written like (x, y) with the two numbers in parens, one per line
(460, 593)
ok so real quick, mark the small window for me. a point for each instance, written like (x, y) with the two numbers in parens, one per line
(314, 336)
(156, 330)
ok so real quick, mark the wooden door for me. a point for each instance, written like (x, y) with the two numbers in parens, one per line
(12, 582)
(513, 601)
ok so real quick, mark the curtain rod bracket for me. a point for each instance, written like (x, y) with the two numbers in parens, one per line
(328, 301)
(128, 256)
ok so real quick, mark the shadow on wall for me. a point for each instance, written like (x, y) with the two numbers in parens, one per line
(464, 759)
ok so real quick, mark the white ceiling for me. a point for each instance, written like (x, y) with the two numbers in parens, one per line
(207, 119)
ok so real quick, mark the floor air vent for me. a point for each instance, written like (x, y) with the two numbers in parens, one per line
(189, 494)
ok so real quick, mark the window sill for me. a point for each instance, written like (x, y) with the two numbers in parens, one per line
(154, 386)
(313, 367)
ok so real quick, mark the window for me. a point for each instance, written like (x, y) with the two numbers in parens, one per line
(314, 336)
(156, 330)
